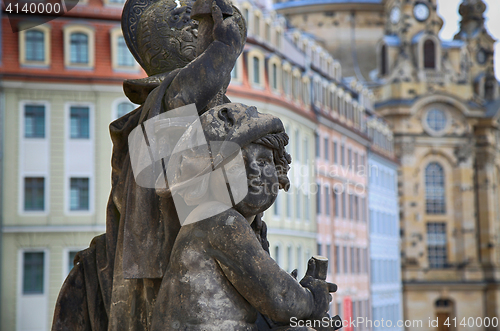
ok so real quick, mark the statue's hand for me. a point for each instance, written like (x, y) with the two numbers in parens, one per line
(320, 290)
(226, 30)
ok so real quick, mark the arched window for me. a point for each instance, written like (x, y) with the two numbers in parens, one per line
(429, 54)
(290, 258)
(434, 189)
(256, 70)
(383, 60)
(125, 58)
(79, 48)
(277, 254)
(35, 48)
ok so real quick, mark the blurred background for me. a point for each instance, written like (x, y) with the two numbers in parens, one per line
(392, 108)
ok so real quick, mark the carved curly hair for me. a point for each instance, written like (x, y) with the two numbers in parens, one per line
(277, 142)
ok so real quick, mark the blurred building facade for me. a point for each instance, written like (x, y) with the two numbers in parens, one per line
(441, 100)
(385, 262)
(61, 87)
(349, 30)
(325, 117)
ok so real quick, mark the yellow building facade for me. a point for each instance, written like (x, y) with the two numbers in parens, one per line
(441, 100)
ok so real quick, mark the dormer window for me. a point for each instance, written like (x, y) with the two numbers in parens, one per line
(429, 54)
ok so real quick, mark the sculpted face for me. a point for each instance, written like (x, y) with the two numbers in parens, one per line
(262, 180)
(167, 37)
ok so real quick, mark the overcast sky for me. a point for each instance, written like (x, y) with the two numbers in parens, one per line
(448, 10)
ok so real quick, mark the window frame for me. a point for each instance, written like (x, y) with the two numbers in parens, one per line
(433, 243)
(20, 273)
(443, 210)
(251, 55)
(274, 61)
(238, 78)
(70, 29)
(115, 34)
(116, 104)
(80, 135)
(44, 194)
(79, 209)
(46, 30)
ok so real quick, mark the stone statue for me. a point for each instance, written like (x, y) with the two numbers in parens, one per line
(147, 272)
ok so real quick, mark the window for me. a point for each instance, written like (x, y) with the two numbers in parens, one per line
(429, 54)
(436, 119)
(327, 201)
(327, 147)
(342, 155)
(34, 194)
(299, 260)
(335, 158)
(329, 256)
(290, 258)
(125, 58)
(276, 206)
(79, 194)
(336, 202)
(33, 272)
(351, 206)
(234, 72)
(337, 259)
(349, 158)
(34, 121)
(277, 254)
(434, 189)
(358, 260)
(256, 24)
(288, 204)
(275, 76)
(79, 123)
(353, 260)
(34, 44)
(79, 48)
(436, 245)
(346, 261)
(71, 258)
(316, 137)
(383, 60)
(318, 199)
(356, 208)
(124, 108)
(35, 48)
(344, 205)
(319, 248)
(256, 72)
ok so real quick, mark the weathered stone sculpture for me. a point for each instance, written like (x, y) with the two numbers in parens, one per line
(213, 273)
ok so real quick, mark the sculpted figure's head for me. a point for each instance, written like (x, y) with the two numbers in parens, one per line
(266, 165)
(240, 162)
(166, 36)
